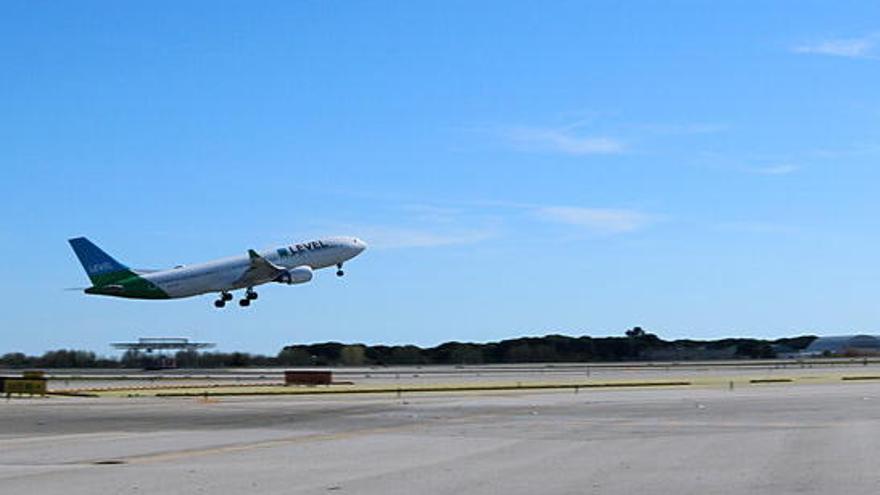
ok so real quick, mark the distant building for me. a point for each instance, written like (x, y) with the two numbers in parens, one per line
(150, 344)
(164, 347)
(844, 345)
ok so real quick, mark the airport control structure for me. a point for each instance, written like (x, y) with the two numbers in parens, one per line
(165, 348)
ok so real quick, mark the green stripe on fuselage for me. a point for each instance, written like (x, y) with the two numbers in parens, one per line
(102, 279)
(126, 283)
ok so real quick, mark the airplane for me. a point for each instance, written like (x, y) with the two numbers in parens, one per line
(292, 264)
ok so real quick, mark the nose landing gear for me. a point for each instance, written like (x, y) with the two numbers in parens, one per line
(339, 271)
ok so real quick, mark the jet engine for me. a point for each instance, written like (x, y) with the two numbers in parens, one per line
(298, 275)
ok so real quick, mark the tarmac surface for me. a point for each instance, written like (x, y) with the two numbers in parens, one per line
(821, 437)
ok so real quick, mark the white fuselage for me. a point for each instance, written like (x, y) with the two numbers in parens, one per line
(222, 275)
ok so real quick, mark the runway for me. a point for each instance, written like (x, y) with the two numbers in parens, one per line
(768, 438)
(247, 381)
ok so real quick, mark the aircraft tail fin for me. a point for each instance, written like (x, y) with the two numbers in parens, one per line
(101, 268)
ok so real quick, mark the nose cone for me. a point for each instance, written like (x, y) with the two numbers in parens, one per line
(359, 245)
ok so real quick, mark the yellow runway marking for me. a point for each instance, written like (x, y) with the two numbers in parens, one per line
(245, 447)
(274, 443)
(71, 436)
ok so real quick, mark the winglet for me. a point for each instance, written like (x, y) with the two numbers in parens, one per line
(260, 261)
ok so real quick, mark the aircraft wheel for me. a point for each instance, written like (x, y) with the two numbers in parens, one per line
(219, 303)
(340, 273)
(252, 296)
(244, 303)
(226, 296)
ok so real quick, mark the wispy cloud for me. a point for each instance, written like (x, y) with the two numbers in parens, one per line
(588, 136)
(697, 128)
(863, 47)
(858, 150)
(756, 227)
(768, 165)
(782, 169)
(433, 214)
(457, 223)
(598, 220)
(562, 140)
(403, 237)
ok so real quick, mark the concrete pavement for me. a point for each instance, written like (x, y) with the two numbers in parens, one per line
(822, 438)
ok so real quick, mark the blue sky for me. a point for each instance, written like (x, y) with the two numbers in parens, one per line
(696, 168)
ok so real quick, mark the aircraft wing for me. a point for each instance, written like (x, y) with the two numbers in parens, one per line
(260, 271)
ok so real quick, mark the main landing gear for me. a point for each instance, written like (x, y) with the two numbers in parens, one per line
(224, 298)
(339, 271)
(249, 296)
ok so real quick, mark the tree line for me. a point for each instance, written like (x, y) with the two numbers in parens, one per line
(635, 345)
